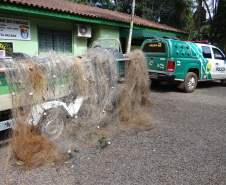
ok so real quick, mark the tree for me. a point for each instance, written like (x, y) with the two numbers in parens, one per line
(85, 2)
(219, 25)
(199, 17)
(175, 13)
(114, 5)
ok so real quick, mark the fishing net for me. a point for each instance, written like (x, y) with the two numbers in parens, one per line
(66, 104)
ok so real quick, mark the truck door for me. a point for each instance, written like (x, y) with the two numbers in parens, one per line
(219, 60)
(211, 63)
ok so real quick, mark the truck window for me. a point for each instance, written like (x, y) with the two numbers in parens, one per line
(206, 52)
(154, 47)
(218, 54)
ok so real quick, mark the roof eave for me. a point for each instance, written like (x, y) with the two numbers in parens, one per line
(72, 16)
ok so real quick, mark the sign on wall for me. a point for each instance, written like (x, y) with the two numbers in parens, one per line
(14, 29)
(6, 49)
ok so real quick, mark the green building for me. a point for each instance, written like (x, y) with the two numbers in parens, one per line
(38, 26)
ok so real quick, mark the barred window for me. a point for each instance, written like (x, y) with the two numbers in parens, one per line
(54, 40)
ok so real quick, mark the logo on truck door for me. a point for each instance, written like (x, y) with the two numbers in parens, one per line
(208, 67)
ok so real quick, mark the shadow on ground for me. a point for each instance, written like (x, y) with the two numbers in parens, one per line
(165, 87)
(4, 138)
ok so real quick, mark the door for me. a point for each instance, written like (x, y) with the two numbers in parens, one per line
(219, 60)
(215, 65)
(156, 53)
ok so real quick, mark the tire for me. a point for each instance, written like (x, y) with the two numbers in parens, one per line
(223, 82)
(53, 127)
(190, 82)
(155, 82)
(53, 123)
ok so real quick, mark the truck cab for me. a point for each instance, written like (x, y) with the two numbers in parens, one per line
(216, 60)
(169, 59)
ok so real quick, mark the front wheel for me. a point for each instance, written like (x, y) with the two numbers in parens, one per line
(190, 82)
(53, 122)
(53, 127)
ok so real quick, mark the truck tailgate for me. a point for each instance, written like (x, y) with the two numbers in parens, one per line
(156, 64)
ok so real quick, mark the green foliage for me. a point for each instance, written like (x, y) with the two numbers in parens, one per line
(213, 28)
(85, 2)
(102, 141)
(203, 33)
(115, 5)
(219, 26)
(179, 14)
(175, 13)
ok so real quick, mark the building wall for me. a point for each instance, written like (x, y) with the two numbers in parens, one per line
(101, 31)
(135, 47)
(79, 44)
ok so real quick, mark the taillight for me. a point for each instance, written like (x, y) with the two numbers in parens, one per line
(171, 66)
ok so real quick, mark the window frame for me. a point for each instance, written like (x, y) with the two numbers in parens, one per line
(53, 34)
(211, 54)
(220, 52)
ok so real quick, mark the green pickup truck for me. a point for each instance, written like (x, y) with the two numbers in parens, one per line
(169, 59)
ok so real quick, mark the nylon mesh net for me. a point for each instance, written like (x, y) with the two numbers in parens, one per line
(75, 105)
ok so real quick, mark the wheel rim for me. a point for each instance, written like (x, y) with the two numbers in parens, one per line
(53, 127)
(191, 83)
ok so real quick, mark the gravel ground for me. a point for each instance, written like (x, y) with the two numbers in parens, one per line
(187, 147)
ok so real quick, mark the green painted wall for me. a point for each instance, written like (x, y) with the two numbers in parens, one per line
(79, 45)
(109, 32)
(25, 46)
(101, 31)
(135, 47)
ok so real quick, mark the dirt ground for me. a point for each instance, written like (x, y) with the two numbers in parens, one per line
(187, 147)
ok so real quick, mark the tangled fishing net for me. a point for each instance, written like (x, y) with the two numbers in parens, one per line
(75, 105)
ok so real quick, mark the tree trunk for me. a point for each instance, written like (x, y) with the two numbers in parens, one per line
(208, 10)
(199, 19)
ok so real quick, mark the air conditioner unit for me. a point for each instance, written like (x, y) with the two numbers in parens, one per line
(83, 30)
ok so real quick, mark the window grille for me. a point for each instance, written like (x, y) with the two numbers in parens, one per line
(55, 40)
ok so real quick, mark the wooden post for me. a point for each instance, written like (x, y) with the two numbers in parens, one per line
(131, 28)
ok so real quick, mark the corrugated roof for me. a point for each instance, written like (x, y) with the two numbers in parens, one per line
(90, 11)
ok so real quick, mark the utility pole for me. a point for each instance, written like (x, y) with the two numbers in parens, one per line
(131, 28)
